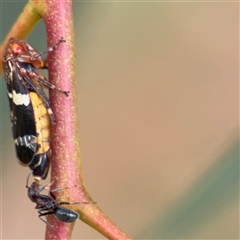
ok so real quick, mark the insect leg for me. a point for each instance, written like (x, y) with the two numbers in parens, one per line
(48, 224)
(50, 49)
(57, 190)
(41, 93)
(41, 79)
(60, 189)
(71, 203)
(44, 187)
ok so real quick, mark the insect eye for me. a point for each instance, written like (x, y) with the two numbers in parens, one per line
(17, 49)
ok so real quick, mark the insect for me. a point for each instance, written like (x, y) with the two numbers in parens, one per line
(47, 205)
(30, 108)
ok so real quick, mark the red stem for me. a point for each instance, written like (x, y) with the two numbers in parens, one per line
(66, 164)
(66, 160)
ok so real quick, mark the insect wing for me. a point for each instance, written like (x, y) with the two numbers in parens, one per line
(22, 115)
(40, 165)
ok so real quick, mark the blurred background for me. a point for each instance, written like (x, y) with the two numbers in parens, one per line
(158, 102)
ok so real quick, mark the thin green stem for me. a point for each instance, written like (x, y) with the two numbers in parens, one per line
(22, 27)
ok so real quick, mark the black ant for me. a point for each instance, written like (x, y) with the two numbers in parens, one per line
(47, 205)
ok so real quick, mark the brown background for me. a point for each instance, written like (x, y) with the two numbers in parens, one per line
(158, 116)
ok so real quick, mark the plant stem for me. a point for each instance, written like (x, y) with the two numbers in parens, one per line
(66, 168)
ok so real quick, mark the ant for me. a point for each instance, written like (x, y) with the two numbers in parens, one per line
(47, 205)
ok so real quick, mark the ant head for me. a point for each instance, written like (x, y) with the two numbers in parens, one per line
(33, 189)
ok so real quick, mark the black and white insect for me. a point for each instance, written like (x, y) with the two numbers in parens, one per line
(47, 205)
(30, 109)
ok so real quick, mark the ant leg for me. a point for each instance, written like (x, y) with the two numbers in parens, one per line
(52, 195)
(48, 224)
(41, 214)
(71, 203)
(57, 190)
(60, 188)
(67, 203)
(44, 187)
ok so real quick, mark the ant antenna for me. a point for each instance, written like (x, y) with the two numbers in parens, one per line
(28, 179)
